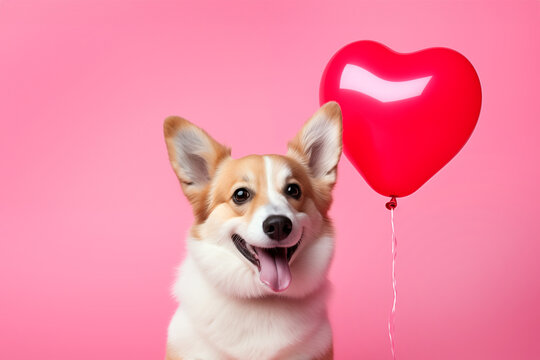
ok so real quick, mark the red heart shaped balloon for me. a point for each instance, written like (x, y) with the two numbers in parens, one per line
(404, 115)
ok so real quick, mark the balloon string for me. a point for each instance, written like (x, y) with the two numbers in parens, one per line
(392, 317)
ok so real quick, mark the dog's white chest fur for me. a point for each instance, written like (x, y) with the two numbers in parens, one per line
(211, 325)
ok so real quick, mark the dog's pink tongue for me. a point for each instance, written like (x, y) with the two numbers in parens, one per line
(275, 271)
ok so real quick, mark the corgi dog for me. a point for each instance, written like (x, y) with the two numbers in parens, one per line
(253, 284)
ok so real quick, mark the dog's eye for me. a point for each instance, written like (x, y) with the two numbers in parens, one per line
(293, 190)
(241, 195)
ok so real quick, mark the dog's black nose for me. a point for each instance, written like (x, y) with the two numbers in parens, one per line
(277, 227)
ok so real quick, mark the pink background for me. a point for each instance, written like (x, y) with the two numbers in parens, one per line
(92, 218)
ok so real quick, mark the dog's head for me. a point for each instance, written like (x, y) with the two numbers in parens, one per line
(261, 224)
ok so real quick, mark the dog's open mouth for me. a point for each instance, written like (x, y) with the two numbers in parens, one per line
(273, 263)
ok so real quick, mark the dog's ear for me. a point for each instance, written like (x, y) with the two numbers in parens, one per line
(194, 157)
(318, 145)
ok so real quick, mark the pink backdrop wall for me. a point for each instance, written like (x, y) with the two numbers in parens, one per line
(92, 219)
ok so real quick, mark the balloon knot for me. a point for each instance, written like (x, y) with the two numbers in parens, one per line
(392, 204)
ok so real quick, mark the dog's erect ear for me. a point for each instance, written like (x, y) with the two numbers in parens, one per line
(194, 156)
(318, 145)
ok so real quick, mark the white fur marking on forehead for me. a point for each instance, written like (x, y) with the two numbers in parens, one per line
(269, 179)
(271, 175)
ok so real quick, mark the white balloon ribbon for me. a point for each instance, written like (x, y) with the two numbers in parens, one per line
(392, 317)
